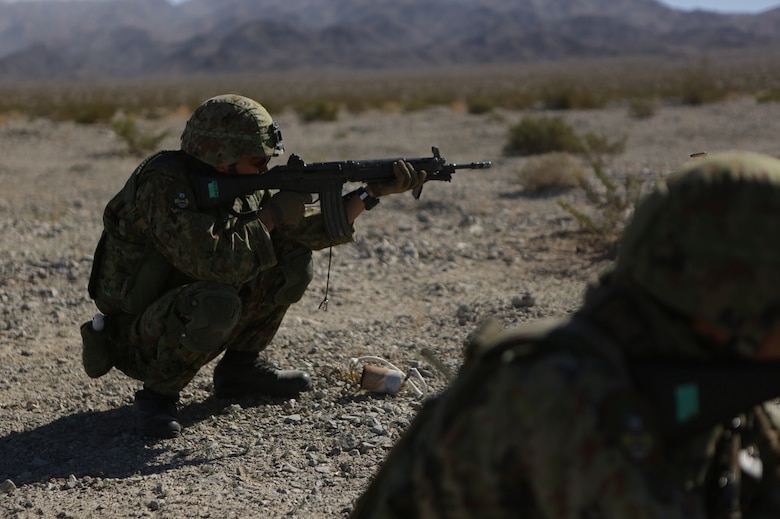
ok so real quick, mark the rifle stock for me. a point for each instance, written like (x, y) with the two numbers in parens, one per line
(324, 178)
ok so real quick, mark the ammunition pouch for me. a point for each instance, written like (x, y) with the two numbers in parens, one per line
(203, 320)
(96, 353)
(126, 277)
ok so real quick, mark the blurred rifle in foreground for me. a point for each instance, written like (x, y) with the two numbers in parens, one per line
(324, 178)
(690, 398)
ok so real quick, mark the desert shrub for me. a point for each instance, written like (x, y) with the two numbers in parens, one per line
(568, 96)
(596, 146)
(611, 204)
(515, 99)
(318, 110)
(555, 171)
(695, 93)
(481, 105)
(88, 112)
(538, 135)
(769, 96)
(700, 85)
(642, 108)
(419, 102)
(138, 142)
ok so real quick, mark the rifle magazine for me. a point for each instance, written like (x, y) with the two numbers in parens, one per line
(335, 215)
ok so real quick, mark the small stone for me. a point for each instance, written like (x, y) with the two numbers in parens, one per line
(523, 301)
(7, 487)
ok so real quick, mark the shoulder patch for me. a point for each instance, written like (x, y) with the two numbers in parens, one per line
(629, 423)
(181, 201)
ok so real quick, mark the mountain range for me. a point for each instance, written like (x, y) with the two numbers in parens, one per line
(89, 39)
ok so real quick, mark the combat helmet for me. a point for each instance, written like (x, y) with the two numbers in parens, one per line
(230, 127)
(706, 244)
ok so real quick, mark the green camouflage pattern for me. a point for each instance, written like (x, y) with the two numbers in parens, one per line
(705, 245)
(227, 128)
(160, 252)
(149, 347)
(557, 435)
(543, 421)
(522, 434)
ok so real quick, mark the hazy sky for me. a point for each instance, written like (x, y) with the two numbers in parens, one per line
(732, 6)
(727, 6)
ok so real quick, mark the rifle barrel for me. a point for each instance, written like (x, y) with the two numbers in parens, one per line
(473, 165)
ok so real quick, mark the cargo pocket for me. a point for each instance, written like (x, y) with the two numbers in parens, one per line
(148, 283)
(298, 272)
(96, 354)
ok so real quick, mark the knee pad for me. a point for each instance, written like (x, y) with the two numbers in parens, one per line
(208, 317)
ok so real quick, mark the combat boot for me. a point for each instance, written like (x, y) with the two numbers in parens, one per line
(241, 373)
(156, 415)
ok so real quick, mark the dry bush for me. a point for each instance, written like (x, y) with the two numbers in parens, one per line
(480, 105)
(539, 135)
(611, 204)
(598, 147)
(137, 141)
(92, 112)
(642, 108)
(318, 110)
(565, 95)
(701, 85)
(771, 95)
(551, 172)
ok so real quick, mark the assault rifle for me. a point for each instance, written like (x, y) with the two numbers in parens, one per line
(690, 398)
(324, 178)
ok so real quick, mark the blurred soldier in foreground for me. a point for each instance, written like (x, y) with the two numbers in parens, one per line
(650, 402)
(178, 284)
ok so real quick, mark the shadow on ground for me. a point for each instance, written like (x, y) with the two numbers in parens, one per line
(98, 444)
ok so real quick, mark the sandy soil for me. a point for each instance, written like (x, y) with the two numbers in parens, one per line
(420, 275)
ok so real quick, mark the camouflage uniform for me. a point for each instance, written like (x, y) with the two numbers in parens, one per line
(546, 421)
(179, 284)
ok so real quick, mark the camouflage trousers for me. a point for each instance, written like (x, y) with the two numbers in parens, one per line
(189, 326)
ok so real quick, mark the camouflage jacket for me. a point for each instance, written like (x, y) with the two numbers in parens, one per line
(155, 237)
(539, 428)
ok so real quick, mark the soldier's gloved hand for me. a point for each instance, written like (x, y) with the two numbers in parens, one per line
(288, 207)
(406, 178)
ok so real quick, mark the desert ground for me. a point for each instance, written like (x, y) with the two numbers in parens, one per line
(420, 276)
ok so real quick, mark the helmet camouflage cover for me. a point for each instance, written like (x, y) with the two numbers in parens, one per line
(227, 128)
(706, 244)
